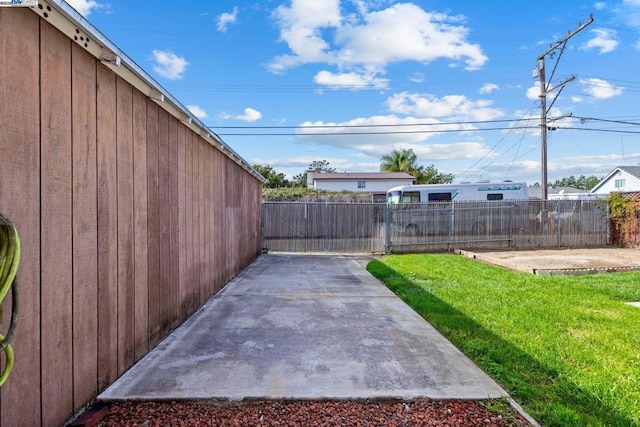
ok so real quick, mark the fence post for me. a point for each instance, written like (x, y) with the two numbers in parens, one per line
(511, 206)
(325, 216)
(559, 224)
(387, 228)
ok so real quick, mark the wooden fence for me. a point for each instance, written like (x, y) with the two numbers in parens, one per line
(129, 220)
(433, 227)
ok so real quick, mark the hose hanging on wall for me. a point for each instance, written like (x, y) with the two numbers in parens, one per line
(9, 260)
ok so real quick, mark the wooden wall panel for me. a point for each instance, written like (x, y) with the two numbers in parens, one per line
(57, 278)
(209, 265)
(219, 209)
(107, 228)
(140, 212)
(85, 231)
(182, 224)
(195, 223)
(173, 242)
(202, 207)
(164, 209)
(20, 201)
(215, 218)
(153, 224)
(126, 288)
(191, 302)
(129, 220)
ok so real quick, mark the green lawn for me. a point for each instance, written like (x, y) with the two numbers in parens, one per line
(566, 348)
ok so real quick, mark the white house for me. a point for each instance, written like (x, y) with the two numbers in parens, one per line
(621, 179)
(364, 182)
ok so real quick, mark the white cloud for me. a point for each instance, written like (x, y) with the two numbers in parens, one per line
(250, 115)
(349, 80)
(169, 65)
(629, 12)
(316, 32)
(604, 40)
(301, 28)
(371, 134)
(84, 7)
(227, 18)
(533, 93)
(600, 5)
(417, 78)
(600, 89)
(376, 135)
(197, 111)
(455, 151)
(489, 87)
(450, 106)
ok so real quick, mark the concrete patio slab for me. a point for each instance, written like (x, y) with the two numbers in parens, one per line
(304, 327)
(562, 261)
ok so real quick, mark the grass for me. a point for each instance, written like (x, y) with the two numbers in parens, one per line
(566, 348)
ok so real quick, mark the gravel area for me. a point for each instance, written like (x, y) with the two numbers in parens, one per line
(314, 413)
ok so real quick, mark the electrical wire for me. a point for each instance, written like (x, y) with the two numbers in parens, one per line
(464, 122)
(9, 261)
(497, 144)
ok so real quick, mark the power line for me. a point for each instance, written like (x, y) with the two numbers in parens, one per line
(428, 127)
(377, 133)
(467, 122)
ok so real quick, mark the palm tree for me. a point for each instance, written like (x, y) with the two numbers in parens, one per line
(403, 160)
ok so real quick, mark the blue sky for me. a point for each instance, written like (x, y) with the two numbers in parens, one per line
(348, 81)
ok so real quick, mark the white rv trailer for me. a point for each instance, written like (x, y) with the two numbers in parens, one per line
(463, 192)
(431, 208)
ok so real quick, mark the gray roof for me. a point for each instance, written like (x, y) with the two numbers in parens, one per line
(362, 175)
(633, 170)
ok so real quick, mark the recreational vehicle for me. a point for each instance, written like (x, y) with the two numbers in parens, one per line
(433, 208)
(464, 192)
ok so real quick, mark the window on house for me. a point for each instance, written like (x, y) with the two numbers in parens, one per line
(495, 196)
(362, 184)
(620, 183)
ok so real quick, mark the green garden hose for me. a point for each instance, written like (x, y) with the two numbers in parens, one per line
(9, 260)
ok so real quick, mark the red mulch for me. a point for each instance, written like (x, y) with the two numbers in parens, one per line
(313, 413)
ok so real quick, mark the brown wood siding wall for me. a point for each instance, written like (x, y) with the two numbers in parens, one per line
(129, 220)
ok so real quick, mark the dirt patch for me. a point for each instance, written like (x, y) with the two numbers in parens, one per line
(563, 261)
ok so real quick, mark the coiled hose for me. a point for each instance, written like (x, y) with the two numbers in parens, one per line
(9, 260)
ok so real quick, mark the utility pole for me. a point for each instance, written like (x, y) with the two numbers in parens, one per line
(544, 90)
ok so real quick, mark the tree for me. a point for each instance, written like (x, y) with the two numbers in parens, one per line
(274, 179)
(317, 166)
(400, 161)
(430, 175)
(320, 166)
(405, 160)
(582, 182)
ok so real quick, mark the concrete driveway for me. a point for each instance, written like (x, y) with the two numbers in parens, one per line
(304, 327)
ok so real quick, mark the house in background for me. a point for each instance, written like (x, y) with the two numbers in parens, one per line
(375, 183)
(622, 179)
(535, 193)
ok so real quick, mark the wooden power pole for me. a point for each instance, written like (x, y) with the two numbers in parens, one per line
(544, 90)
